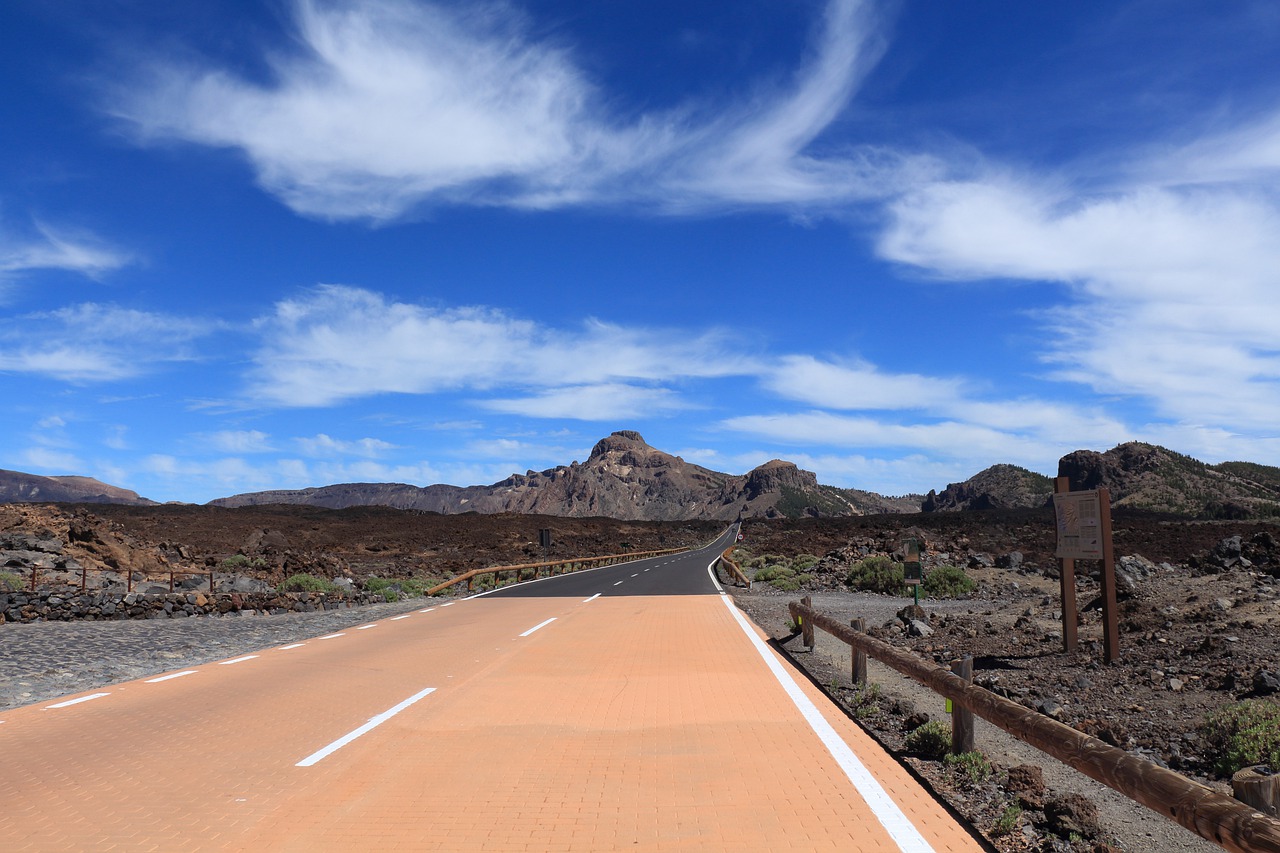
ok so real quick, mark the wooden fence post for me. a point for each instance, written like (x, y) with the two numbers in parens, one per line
(1110, 616)
(961, 717)
(806, 627)
(859, 656)
(1067, 583)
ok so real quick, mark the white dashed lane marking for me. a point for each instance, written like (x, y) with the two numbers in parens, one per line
(592, 598)
(332, 636)
(171, 676)
(236, 660)
(373, 723)
(398, 618)
(70, 702)
(366, 627)
(292, 646)
(539, 625)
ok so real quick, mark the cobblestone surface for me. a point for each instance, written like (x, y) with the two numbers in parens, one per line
(44, 660)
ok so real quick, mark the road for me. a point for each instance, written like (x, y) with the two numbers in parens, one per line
(629, 707)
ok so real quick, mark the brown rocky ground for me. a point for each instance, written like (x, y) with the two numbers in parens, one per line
(1199, 609)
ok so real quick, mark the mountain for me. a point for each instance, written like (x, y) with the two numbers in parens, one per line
(17, 487)
(997, 487)
(623, 478)
(1146, 476)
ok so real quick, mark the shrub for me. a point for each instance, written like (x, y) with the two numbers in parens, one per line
(306, 583)
(803, 561)
(1008, 820)
(877, 574)
(973, 765)
(947, 582)
(1244, 734)
(10, 581)
(240, 561)
(932, 741)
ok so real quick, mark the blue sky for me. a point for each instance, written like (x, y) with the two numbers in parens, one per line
(253, 245)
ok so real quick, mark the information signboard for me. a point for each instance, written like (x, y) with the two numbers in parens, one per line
(1079, 525)
(911, 562)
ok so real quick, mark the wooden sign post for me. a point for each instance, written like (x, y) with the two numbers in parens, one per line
(911, 571)
(1084, 533)
(1067, 582)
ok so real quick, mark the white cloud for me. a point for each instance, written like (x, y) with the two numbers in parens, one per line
(50, 462)
(59, 248)
(856, 385)
(340, 343)
(324, 445)
(1174, 291)
(238, 441)
(607, 402)
(387, 104)
(95, 343)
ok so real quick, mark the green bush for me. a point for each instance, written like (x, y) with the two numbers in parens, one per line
(392, 589)
(947, 582)
(973, 765)
(877, 574)
(306, 583)
(1244, 734)
(10, 581)
(240, 561)
(932, 741)
(803, 561)
(1008, 820)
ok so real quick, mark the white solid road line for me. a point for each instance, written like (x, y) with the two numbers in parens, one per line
(71, 702)
(539, 625)
(373, 723)
(891, 817)
(236, 660)
(171, 676)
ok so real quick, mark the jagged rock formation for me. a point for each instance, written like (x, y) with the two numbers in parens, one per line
(998, 487)
(623, 478)
(17, 487)
(1146, 476)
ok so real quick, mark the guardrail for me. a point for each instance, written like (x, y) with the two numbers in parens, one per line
(1216, 817)
(734, 568)
(578, 562)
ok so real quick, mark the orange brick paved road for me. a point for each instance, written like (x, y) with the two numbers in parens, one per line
(628, 723)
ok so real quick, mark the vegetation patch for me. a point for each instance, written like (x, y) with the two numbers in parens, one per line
(306, 583)
(240, 561)
(972, 766)
(947, 582)
(931, 741)
(10, 581)
(877, 574)
(1244, 734)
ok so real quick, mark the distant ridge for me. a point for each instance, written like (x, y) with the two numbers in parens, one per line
(623, 478)
(17, 487)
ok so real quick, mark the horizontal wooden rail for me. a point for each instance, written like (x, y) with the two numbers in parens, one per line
(734, 568)
(581, 562)
(1213, 816)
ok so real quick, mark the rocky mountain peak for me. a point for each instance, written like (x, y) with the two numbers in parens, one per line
(620, 441)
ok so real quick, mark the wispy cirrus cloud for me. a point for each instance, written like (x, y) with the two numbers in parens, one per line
(390, 104)
(53, 247)
(96, 343)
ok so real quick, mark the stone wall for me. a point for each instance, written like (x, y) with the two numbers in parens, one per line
(68, 605)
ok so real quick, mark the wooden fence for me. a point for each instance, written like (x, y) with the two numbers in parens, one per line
(1216, 817)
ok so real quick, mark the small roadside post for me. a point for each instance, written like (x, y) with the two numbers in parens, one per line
(911, 572)
(544, 537)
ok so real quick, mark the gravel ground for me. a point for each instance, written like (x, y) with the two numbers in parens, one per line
(1128, 825)
(45, 660)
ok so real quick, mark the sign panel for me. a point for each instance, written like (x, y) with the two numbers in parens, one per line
(911, 562)
(1079, 525)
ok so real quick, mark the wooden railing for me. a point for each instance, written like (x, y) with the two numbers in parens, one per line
(566, 566)
(734, 569)
(128, 573)
(1216, 817)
